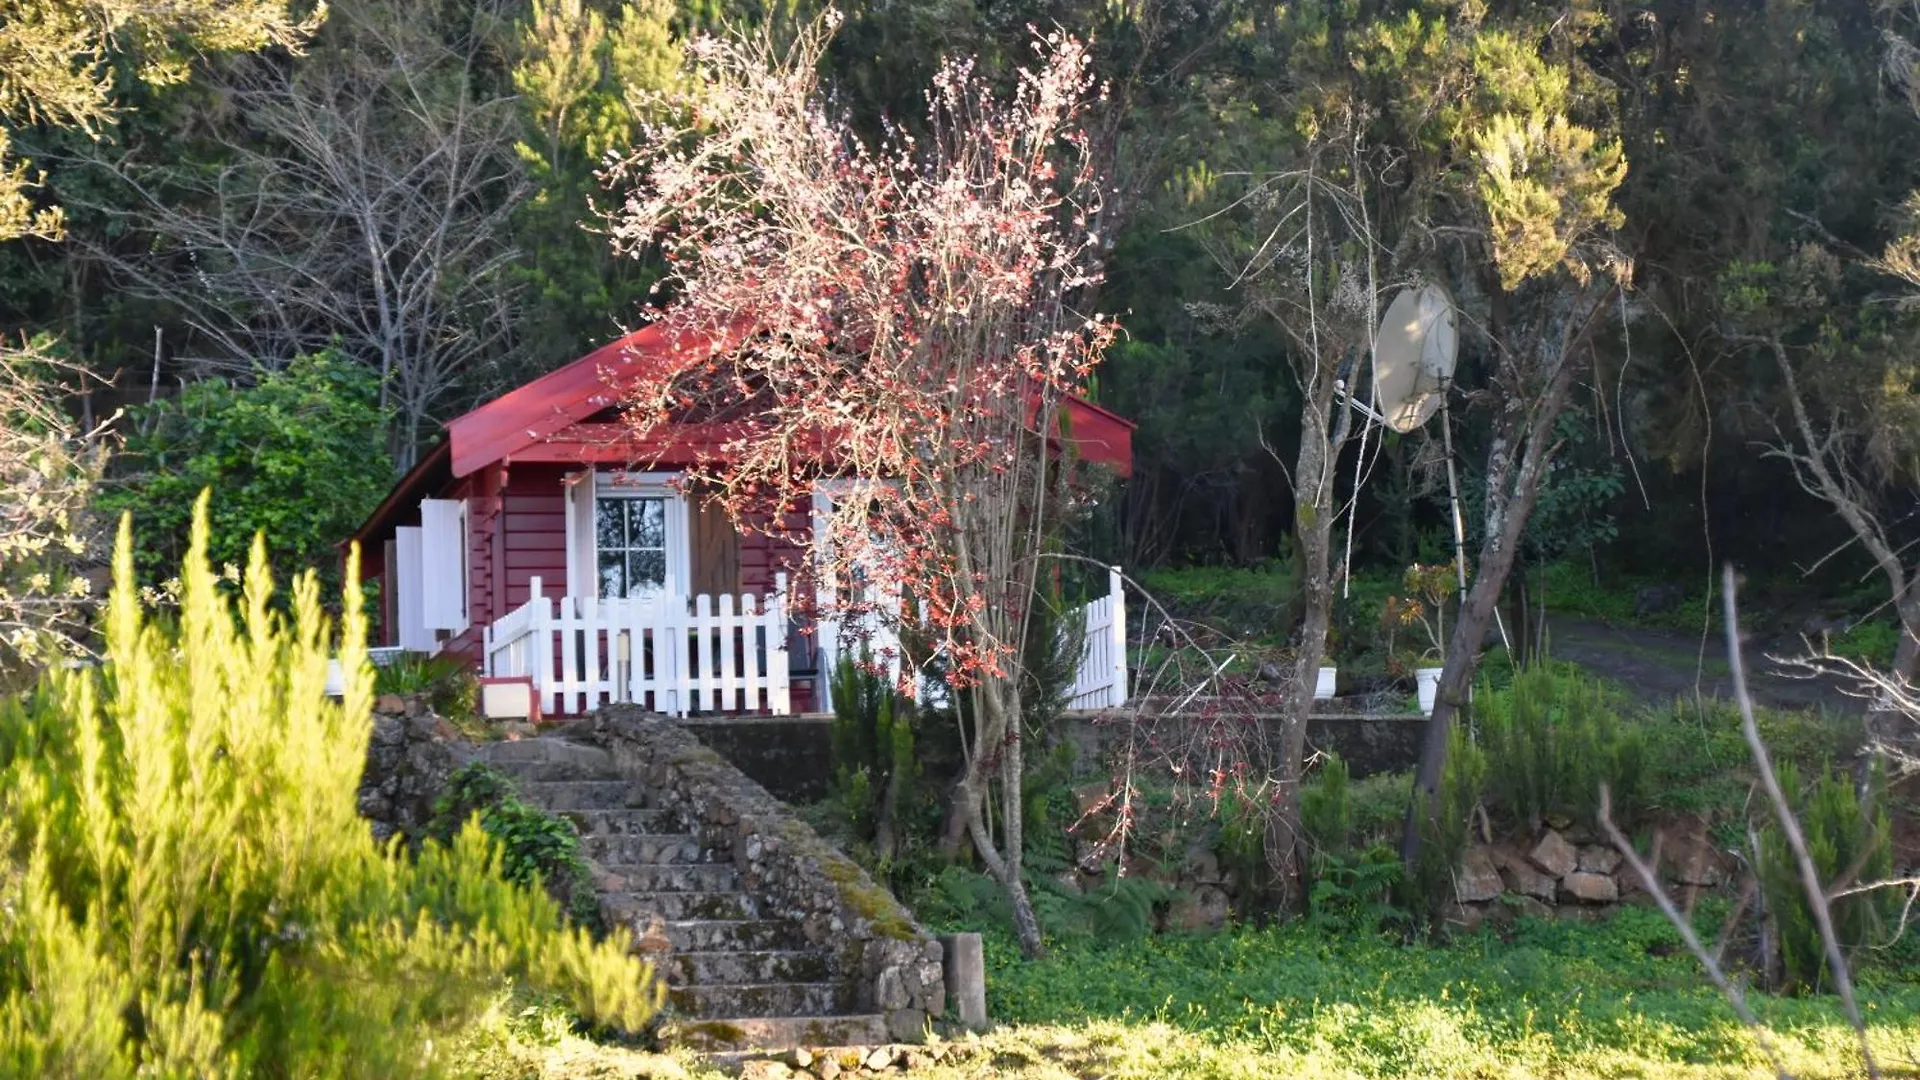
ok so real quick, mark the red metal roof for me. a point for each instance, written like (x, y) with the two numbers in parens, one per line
(543, 408)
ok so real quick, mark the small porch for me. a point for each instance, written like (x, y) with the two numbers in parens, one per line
(703, 654)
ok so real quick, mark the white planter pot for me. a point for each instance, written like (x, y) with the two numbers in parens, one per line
(1323, 686)
(1428, 680)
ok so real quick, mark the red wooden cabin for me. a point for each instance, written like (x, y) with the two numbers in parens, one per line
(543, 540)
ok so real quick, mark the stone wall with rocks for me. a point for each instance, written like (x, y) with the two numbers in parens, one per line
(790, 756)
(785, 866)
(410, 754)
(1572, 874)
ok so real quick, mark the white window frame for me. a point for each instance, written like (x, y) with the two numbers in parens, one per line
(583, 553)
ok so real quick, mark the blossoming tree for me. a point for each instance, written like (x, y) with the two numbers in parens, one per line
(893, 320)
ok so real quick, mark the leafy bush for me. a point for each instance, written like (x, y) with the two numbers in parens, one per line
(300, 456)
(189, 891)
(1846, 834)
(536, 848)
(1552, 738)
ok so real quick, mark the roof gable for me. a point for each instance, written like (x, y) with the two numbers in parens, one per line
(572, 395)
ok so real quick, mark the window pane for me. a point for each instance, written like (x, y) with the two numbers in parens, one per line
(648, 523)
(609, 524)
(613, 575)
(646, 568)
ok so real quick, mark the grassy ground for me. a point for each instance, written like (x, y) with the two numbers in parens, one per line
(1557, 1000)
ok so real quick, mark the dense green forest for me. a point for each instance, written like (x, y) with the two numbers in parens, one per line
(417, 189)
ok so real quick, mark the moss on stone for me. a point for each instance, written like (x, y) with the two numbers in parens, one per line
(868, 900)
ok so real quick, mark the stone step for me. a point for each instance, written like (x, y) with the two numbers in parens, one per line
(552, 771)
(558, 796)
(760, 999)
(740, 967)
(644, 849)
(675, 877)
(776, 1033)
(620, 822)
(733, 935)
(510, 753)
(624, 908)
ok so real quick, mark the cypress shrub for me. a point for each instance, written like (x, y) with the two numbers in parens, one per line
(187, 889)
(1846, 832)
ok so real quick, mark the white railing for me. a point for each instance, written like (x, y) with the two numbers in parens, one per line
(671, 653)
(1101, 682)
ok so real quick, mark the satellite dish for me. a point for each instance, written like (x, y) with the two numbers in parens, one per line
(1413, 357)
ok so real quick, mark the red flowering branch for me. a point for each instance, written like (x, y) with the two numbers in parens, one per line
(913, 332)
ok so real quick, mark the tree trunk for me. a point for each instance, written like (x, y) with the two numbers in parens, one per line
(1527, 428)
(1284, 838)
(997, 746)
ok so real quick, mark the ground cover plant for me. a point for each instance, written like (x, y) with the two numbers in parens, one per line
(1563, 999)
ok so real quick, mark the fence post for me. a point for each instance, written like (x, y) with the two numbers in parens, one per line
(779, 700)
(540, 654)
(1117, 695)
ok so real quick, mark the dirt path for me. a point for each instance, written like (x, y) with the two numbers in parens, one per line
(1659, 665)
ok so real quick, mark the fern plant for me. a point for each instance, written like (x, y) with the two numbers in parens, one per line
(187, 889)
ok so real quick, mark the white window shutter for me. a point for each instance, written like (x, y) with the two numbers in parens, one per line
(443, 553)
(407, 591)
(583, 572)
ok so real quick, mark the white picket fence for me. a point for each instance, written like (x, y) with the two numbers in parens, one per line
(677, 655)
(670, 654)
(1101, 682)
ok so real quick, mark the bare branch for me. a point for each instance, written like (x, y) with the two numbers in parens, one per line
(1789, 823)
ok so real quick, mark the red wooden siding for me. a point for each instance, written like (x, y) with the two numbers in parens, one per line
(535, 531)
(762, 556)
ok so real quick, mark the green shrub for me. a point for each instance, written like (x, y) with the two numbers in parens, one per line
(1844, 833)
(1552, 738)
(536, 848)
(1446, 827)
(446, 680)
(1377, 807)
(1242, 846)
(873, 753)
(189, 891)
(1326, 808)
(299, 455)
(1872, 641)
(1353, 884)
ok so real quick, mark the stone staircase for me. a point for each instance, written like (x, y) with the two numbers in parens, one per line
(735, 980)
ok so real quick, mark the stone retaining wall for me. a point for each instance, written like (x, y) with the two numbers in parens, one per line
(794, 875)
(790, 756)
(410, 754)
